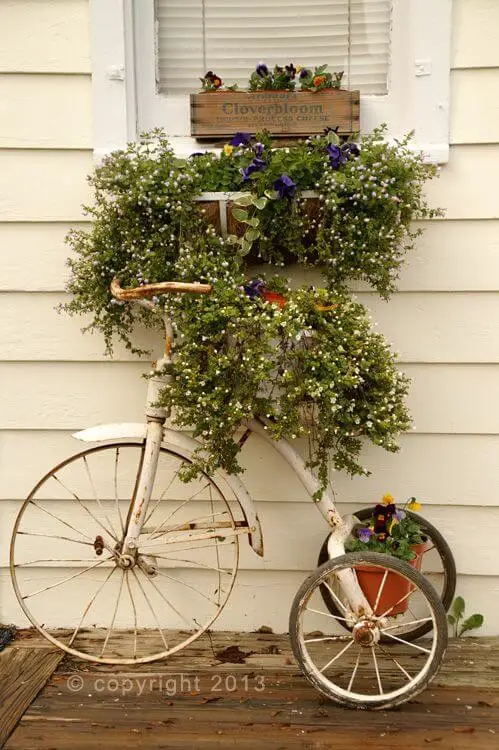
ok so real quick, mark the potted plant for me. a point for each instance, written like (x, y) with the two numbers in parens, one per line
(391, 531)
(286, 100)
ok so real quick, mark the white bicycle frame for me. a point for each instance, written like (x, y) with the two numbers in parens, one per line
(156, 436)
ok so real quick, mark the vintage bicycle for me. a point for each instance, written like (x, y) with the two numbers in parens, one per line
(149, 561)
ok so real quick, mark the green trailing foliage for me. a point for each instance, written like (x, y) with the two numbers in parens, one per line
(260, 348)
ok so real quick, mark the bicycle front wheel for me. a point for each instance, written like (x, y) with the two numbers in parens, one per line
(70, 578)
(361, 669)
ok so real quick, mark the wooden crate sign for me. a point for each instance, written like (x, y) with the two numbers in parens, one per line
(282, 113)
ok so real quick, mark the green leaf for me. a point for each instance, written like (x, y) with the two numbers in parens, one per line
(254, 221)
(239, 214)
(475, 621)
(451, 619)
(251, 235)
(245, 247)
(260, 202)
(272, 194)
(333, 138)
(231, 239)
(243, 199)
(458, 607)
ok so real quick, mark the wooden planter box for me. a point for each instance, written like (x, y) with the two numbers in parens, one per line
(282, 113)
(217, 208)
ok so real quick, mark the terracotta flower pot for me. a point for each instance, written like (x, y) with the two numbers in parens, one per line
(395, 588)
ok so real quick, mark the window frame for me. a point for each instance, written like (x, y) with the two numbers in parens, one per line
(126, 100)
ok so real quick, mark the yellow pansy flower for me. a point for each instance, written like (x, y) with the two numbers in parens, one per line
(228, 149)
(413, 504)
(387, 499)
(299, 68)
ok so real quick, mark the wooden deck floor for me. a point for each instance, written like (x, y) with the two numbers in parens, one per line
(195, 700)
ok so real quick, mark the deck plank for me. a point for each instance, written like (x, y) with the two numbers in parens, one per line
(23, 673)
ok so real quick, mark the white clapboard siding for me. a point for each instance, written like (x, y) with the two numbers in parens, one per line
(34, 256)
(293, 532)
(421, 327)
(45, 111)
(475, 37)
(449, 256)
(43, 185)
(452, 470)
(45, 36)
(475, 106)
(466, 187)
(444, 398)
(259, 598)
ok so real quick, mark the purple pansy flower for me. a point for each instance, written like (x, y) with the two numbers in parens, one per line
(285, 186)
(254, 288)
(291, 70)
(399, 515)
(304, 73)
(241, 139)
(364, 535)
(336, 156)
(256, 166)
(258, 148)
(351, 150)
(262, 70)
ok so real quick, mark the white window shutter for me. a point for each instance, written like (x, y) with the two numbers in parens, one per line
(231, 36)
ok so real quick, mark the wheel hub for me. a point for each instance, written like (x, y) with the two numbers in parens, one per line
(366, 633)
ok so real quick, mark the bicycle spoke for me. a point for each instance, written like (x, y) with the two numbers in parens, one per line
(408, 643)
(406, 624)
(218, 554)
(73, 528)
(352, 678)
(110, 629)
(52, 536)
(197, 523)
(386, 653)
(161, 497)
(70, 578)
(188, 585)
(406, 596)
(340, 653)
(116, 498)
(380, 590)
(327, 614)
(87, 609)
(188, 500)
(150, 607)
(99, 524)
(127, 575)
(335, 597)
(327, 638)
(97, 499)
(195, 549)
(50, 560)
(200, 564)
(377, 670)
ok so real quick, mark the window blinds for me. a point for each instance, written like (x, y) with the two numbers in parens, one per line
(231, 36)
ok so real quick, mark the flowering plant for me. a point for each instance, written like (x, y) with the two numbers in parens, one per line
(251, 349)
(390, 530)
(280, 78)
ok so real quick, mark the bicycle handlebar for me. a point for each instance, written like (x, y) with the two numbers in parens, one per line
(162, 287)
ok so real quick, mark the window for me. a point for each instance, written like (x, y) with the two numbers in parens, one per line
(397, 52)
(230, 36)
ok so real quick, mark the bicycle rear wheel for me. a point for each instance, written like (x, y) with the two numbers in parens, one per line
(67, 569)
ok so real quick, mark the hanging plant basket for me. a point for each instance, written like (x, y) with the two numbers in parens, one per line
(395, 588)
(282, 113)
(217, 208)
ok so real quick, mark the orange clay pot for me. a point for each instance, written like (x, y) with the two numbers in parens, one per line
(395, 588)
